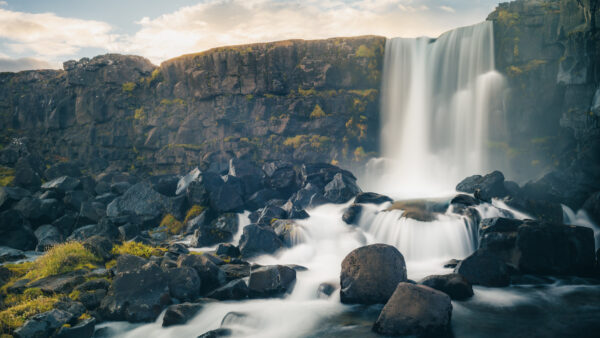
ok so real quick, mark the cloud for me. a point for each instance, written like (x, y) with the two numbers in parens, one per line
(3, 3)
(50, 35)
(448, 9)
(16, 65)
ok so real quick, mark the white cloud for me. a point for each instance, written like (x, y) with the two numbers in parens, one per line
(448, 9)
(3, 3)
(15, 65)
(50, 35)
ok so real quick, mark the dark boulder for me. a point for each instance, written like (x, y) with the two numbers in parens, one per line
(137, 295)
(184, 283)
(289, 232)
(180, 314)
(228, 250)
(542, 210)
(309, 196)
(227, 197)
(260, 198)
(64, 283)
(219, 230)
(269, 214)
(235, 271)
(13, 232)
(74, 199)
(104, 229)
(84, 329)
(281, 177)
(119, 188)
(454, 285)
(62, 169)
(11, 195)
(484, 187)
(341, 189)
(62, 184)
(66, 223)
(257, 240)
(298, 214)
(184, 182)
(127, 263)
(139, 200)
(484, 268)
(370, 274)
(47, 236)
(352, 214)
(591, 206)
(211, 277)
(105, 198)
(44, 324)
(271, 281)
(371, 197)
(556, 249)
(165, 184)
(561, 187)
(91, 212)
(249, 174)
(234, 290)
(128, 231)
(25, 175)
(325, 290)
(9, 255)
(216, 333)
(462, 200)
(415, 310)
(99, 246)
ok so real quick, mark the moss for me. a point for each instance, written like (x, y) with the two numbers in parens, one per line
(7, 175)
(365, 52)
(514, 71)
(171, 224)
(359, 154)
(63, 258)
(111, 264)
(156, 75)
(295, 141)
(75, 295)
(507, 18)
(139, 115)
(137, 249)
(317, 112)
(307, 92)
(194, 212)
(15, 314)
(249, 97)
(128, 87)
(167, 102)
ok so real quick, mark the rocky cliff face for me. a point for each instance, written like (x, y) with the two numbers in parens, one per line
(293, 100)
(550, 53)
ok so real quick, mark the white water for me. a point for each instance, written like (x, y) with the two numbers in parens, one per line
(441, 101)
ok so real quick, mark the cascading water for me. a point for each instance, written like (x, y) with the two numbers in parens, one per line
(441, 105)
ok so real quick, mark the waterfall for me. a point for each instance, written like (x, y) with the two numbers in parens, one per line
(441, 107)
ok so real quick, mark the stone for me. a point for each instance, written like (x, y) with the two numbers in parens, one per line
(271, 281)
(47, 236)
(370, 274)
(220, 332)
(484, 268)
(454, 285)
(84, 329)
(11, 195)
(257, 240)
(484, 187)
(13, 232)
(184, 283)
(219, 230)
(185, 181)
(269, 214)
(228, 250)
(415, 310)
(372, 198)
(139, 200)
(341, 189)
(180, 314)
(234, 290)
(25, 176)
(211, 276)
(137, 295)
(325, 290)
(592, 207)
(99, 246)
(62, 169)
(235, 271)
(227, 198)
(260, 198)
(119, 188)
(8, 254)
(352, 214)
(289, 232)
(165, 184)
(74, 199)
(127, 263)
(62, 184)
(64, 283)
(44, 324)
(542, 210)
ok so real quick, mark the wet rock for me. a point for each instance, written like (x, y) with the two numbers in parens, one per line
(84, 329)
(325, 290)
(454, 285)
(545, 211)
(220, 230)
(202, 220)
(10, 255)
(309, 196)
(62, 184)
(228, 250)
(235, 271)
(13, 233)
(234, 290)
(180, 314)
(464, 200)
(257, 240)
(484, 268)
(415, 310)
(269, 214)
(591, 206)
(165, 184)
(178, 249)
(44, 324)
(289, 232)
(370, 274)
(298, 214)
(560, 187)
(137, 295)
(211, 276)
(281, 177)
(352, 214)
(184, 182)
(64, 283)
(484, 187)
(220, 332)
(451, 263)
(341, 189)
(419, 210)
(260, 198)
(62, 169)
(271, 281)
(371, 197)
(184, 283)
(250, 175)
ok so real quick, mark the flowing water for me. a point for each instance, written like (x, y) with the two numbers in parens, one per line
(441, 107)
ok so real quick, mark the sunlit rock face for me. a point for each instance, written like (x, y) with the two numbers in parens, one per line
(294, 100)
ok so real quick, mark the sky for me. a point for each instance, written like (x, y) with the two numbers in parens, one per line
(37, 34)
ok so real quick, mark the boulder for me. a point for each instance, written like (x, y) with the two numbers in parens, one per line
(372, 198)
(165, 184)
(44, 324)
(84, 329)
(227, 197)
(591, 206)
(484, 187)
(235, 271)
(127, 263)
(105, 198)
(325, 290)
(257, 240)
(309, 196)
(249, 174)
(74, 199)
(281, 176)
(542, 210)
(561, 187)
(10, 255)
(119, 188)
(13, 233)
(298, 214)
(289, 232)
(220, 332)
(454, 285)
(91, 212)
(260, 198)
(62, 169)
(269, 214)
(104, 229)
(137, 295)
(139, 200)
(341, 189)
(419, 210)
(228, 250)
(415, 310)
(66, 223)
(484, 268)
(211, 276)
(128, 231)
(219, 230)
(25, 175)
(62, 184)
(271, 281)
(47, 236)
(184, 283)
(185, 181)
(180, 314)
(64, 283)
(352, 214)
(99, 246)
(370, 274)
(11, 195)
(234, 290)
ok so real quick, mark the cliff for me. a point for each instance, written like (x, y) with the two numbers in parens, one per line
(294, 100)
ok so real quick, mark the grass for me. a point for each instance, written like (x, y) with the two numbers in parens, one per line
(194, 212)
(7, 175)
(62, 258)
(128, 87)
(317, 112)
(23, 307)
(171, 224)
(136, 249)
